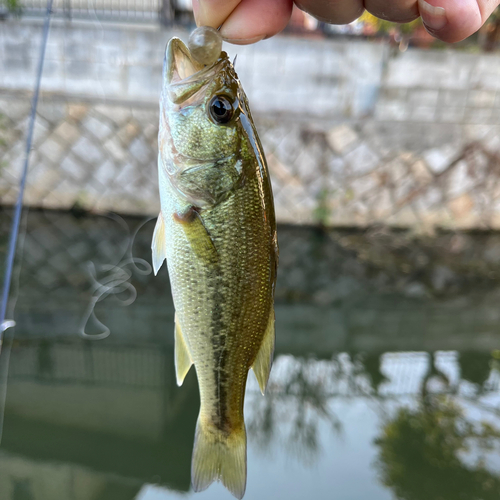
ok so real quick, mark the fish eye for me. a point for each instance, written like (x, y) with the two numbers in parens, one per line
(221, 109)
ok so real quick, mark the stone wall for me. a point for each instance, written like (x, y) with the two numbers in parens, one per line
(355, 134)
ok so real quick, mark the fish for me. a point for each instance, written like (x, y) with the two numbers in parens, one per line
(217, 231)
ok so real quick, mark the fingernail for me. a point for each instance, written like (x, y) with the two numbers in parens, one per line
(433, 18)
(243, 41)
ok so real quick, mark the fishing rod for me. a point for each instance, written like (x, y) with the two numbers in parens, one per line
(16, 221)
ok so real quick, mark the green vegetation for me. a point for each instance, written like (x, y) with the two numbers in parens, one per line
(13, 6)
(425, 454)
(381, 26)
(322, 210)
(3, 127)
(487, 39)
(490, 32)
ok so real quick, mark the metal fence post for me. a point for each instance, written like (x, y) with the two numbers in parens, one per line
(67, 9)
(167, 12)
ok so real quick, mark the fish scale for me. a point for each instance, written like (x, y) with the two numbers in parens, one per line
(229, 284)
(217, 231)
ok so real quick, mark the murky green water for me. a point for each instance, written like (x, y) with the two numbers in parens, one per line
(386, 381)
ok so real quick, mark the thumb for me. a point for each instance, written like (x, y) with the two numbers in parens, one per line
(454, 20)
(213, 12)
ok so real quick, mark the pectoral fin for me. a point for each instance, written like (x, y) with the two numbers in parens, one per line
(159, 243)
(264, 360)
(183, 359)
(197, 234)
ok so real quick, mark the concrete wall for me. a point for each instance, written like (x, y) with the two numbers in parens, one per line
(325, 78)
(125, 63)
(354, 132)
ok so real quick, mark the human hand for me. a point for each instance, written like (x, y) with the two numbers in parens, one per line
(248, 21)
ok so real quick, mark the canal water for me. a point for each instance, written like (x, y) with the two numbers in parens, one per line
(386, 381)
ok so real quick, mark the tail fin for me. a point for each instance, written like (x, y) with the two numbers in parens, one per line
(217, 456)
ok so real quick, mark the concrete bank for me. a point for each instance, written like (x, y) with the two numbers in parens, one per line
(354, 133)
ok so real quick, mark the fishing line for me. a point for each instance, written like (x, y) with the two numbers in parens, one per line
(16, 221)
(116, 281)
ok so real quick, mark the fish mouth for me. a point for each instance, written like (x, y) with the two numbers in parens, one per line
(184, 77)
(179, 63)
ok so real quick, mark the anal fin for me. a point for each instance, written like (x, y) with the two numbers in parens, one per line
(183, 359)
(159, 243)
(264, 360)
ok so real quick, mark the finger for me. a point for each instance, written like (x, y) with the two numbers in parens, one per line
(213, 12)
(398, 11)
(454, 20)
(253, 20)
(332, 11)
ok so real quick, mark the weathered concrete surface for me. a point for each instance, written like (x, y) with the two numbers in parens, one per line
(354, 134)
(321, 78)
(124, 63)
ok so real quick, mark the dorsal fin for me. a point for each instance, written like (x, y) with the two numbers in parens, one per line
(264, 360)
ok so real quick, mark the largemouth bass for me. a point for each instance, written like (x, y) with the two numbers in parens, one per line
(217, 231)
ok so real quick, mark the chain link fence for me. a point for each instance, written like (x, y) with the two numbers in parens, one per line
(103, 157)
(140, 11)
(96, 157)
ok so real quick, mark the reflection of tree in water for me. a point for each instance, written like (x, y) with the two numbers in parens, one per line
(421, 454)
(475, 367)
(296, 403)
(295, 409)
(433, 373)
(495, 361)
(298, 400)
(371, 364)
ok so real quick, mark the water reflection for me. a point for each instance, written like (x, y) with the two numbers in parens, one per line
(370, 393)
(22, 490)
(372, 366)
(301, 390)
(437, 451)
(296, 402)
(475, 367)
